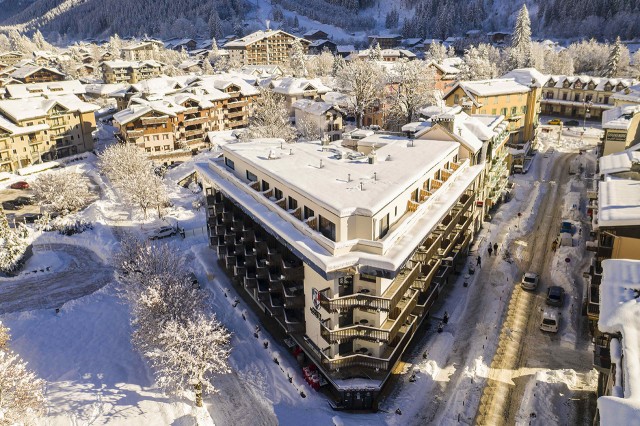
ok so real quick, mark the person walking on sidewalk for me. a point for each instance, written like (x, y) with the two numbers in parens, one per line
(490, 250)
(495, 249)
(479, 262)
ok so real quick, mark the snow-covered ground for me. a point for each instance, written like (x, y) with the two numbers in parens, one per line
(96, 377)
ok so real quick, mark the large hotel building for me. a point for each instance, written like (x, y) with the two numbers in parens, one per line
(347, 249)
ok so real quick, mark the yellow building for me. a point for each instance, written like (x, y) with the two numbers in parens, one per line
(270, 47)
(518, 103)
(41, 129)
(129, 71)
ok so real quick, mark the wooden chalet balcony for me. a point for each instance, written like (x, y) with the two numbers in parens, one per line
(236, 114)
(135, 133)
(237, 104)
(196, 120)
(191, 110)
(152, 121)
(236, 123)
(196, 132)
(593, 302)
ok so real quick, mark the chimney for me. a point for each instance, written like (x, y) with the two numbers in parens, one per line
(268, 22)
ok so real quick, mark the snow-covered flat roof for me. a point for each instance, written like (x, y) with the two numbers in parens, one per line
(493, 87)
(619, 202)
(619, 118)
(336, 184)
(620, 313)
(620, 161)
(397, 246)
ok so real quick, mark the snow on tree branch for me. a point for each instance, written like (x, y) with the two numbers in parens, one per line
(62, 191)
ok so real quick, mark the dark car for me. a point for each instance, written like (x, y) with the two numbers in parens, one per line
(31, 217)
(572, 123)
(20, 185)
(10, 205)
(24, 201)
(555, 296)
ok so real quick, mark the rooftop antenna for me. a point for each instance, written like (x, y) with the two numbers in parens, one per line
(361, 186)
(375, 176)
(321, 163)
(349, 177)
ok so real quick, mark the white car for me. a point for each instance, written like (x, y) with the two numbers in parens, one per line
(529, 281)
(550, 322)
(163, 232)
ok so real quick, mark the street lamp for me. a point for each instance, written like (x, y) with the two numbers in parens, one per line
(587, 105)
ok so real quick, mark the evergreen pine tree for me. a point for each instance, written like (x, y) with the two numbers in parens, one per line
(520, 54)
(375, 53)
(338, 64)
(297, 60)
(613, 62)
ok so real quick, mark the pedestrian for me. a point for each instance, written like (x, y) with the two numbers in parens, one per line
(490, 251)
(445, 319)
(495, 248)
(479, 261)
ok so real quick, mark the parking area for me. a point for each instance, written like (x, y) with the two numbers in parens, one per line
(9, 195)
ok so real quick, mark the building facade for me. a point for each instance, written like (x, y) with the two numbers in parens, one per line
(129, 71)
(621, 127)
(270, 47)
(39, 129)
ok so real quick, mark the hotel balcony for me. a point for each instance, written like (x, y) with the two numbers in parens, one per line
(152, 121)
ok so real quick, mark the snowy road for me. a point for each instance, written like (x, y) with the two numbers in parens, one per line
(84, 274)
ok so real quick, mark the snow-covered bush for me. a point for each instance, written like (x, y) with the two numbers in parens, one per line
(21, 391)
(13, 245)
(62, 191)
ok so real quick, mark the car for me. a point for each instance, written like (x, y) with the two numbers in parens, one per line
(31, 217)
(555, 122)
(573, 123)
(550, 322)
(10, 205)
(24, 201)
(555, 296)
(163, 232)
(20, 185)
(567, 227)
(529, 281)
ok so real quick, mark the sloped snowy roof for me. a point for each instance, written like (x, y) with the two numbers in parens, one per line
(297, 86)
(57, 88)
(619, 202)
(619, 161)
(493, 87)
(20, 130)
(26, 71)
(527, 76)
(257, 36)
(312, 107)
(24, 109)
(620, 313)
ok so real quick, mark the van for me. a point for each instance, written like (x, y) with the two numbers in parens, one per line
(550, 322)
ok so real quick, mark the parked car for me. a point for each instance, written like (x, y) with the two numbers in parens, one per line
(550, 322)
(20, 185)
(555, 122)
(163, 232)
(529, 281)
(567, 227)
(10, 205)
(572, 123)
(555, 296)
(24, 201)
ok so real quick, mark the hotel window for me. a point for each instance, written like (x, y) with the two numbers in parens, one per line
(229, 163)
(277, 193)
(308, 212)
(503, 111)
(251, 177)
(327, 228)
(265, 185)
(293, 203)
(384, 225)
(514, 110)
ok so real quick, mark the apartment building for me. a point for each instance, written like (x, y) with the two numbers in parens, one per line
(619, 365)
(621, 127)
(517, 102)
(11, 58)
(346, 250)
(270, 47)
(142, 51)
(293, 89)
(172, 113)
(43, 129)
(388, 41)
(324, 118)
(629, 96)
(581, 96)
(445, 74)
(129, 71)
(37, 74)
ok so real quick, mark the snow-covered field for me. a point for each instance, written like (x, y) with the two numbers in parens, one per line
(95, 376)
